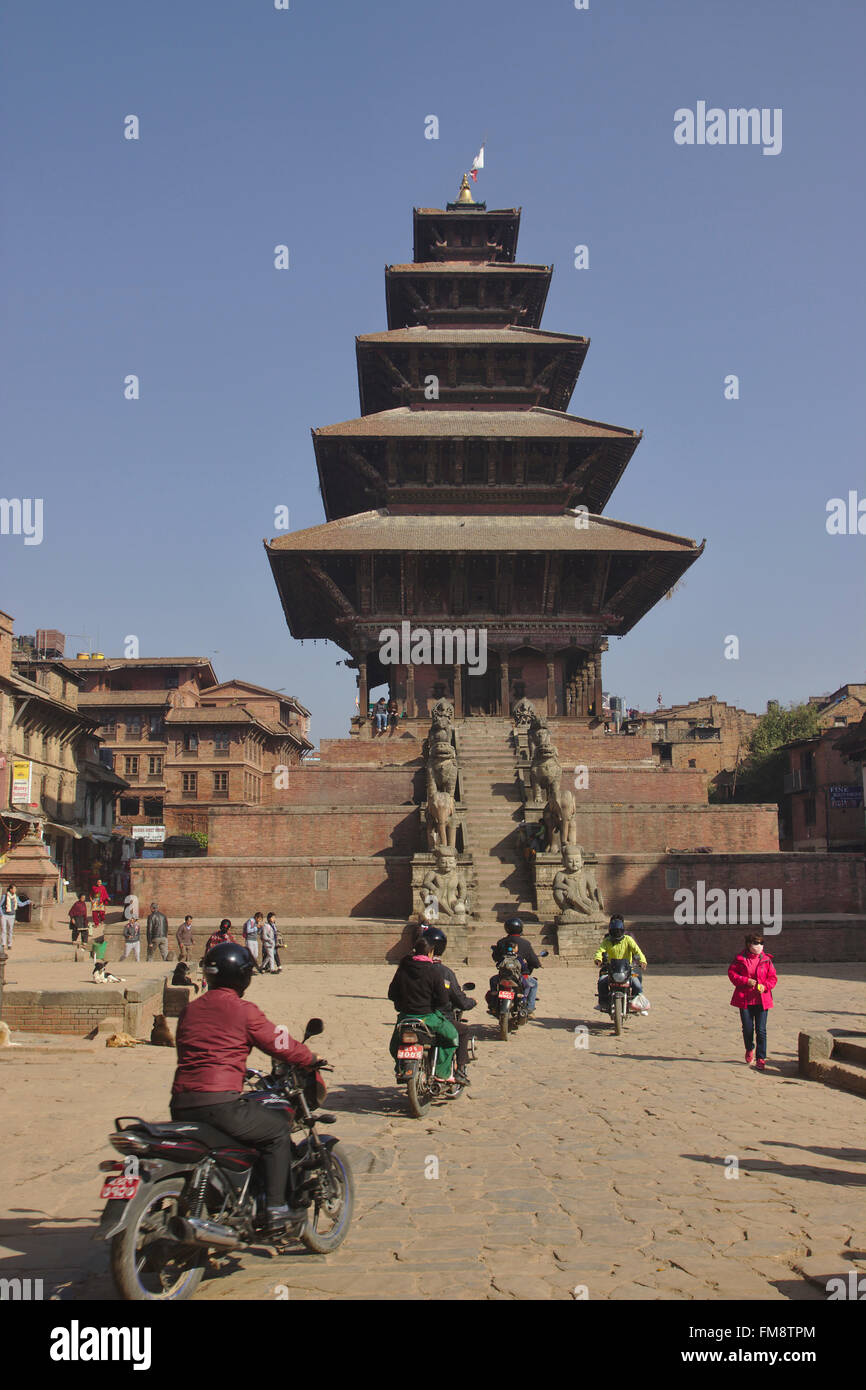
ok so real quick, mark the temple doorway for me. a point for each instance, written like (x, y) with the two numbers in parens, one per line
(484, 693)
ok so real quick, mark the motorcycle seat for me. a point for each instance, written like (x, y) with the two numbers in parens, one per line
(208, 1135)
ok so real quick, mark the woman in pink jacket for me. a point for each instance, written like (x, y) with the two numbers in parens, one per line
(753, 976)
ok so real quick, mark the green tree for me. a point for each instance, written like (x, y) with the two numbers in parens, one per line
(762, 775)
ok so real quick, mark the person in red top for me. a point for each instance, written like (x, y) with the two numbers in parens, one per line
(221, 937)
(215, 1034)
(754, 977)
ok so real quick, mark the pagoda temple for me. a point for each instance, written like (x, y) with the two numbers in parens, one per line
(466, 497)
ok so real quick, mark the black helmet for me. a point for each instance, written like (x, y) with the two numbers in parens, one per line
(514, 926)
(616, 930)
(437, 939)
(229, 966)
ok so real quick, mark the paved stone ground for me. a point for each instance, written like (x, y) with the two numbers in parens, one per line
(599, 1168)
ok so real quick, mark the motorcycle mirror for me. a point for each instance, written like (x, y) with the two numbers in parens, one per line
(314, 1027)
(544, 953)
(469, 985)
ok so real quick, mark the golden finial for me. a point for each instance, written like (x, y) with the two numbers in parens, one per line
(465, 194)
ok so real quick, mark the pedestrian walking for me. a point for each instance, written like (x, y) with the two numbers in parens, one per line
(252, 934)
(157, 931)
(9, 904)
(132, 939)
(185, 939)
(78, 922)
(98, 903)
(277, 942)
(753, 976)
(269, 947)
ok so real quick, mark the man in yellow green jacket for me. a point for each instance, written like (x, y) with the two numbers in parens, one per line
(618, 945)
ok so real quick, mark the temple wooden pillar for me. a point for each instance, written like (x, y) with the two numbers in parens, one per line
(551, 687)
(363, 698)
(597, 695)
(504, 687)
(411, 708)
(458, 692)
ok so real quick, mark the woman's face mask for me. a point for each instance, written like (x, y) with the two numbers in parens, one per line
(756, 950)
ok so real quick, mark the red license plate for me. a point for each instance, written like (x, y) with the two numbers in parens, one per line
(506, 994)
(410, 1052)
(120, 1189)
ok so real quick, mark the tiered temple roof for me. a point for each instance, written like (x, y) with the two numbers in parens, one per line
(464, 492)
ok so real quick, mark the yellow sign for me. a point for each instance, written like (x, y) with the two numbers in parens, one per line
(22, 777)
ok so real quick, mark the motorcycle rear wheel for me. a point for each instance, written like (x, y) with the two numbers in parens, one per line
(503, 1026)
(155, 1277)
(417, 1090)
(336, 1209)
(618, 1013)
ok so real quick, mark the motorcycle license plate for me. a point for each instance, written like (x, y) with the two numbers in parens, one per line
(410, 1053)
(120, 1189)
(506, 994)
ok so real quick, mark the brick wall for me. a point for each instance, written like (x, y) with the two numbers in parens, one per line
(639, 828)
(231, 887)
(832, 883)
(60, 1011)
(359, 829)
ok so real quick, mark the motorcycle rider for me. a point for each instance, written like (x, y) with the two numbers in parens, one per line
(215, 1034)
(618, 945)
(459, 1000)
(528, 960)
(418, 990)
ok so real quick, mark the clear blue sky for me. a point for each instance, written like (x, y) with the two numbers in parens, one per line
(306, 127)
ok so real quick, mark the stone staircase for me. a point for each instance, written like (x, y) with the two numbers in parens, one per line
(492, 801)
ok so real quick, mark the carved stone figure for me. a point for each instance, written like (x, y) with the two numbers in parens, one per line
(575, 889)
(560, 820)
(443, 710)
(441, 821)
(545, 770)
(446, 883)
(523, 712)
(441, 764)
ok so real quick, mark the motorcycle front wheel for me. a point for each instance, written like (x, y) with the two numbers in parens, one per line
(328, 1223)
(148, 1264)
(618, 1013)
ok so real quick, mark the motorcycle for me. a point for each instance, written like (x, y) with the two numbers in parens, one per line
(511, 1000)
(417, 1054)
(186, 1189)
(621, 978)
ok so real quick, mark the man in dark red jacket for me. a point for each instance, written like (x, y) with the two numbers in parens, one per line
(215, 1034)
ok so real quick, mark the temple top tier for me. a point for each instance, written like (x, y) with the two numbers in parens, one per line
(466, 232)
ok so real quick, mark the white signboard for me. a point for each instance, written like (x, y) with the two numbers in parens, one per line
(151, 834)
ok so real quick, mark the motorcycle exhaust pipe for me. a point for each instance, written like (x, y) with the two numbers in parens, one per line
(209, 1233)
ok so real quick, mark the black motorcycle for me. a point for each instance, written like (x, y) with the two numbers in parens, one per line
(417, 1054)
(187, 1189)
(510, 1000)
(623, 984)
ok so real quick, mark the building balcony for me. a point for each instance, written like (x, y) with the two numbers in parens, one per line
(799, 781)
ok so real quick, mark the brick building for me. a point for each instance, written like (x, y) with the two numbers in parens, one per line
(843, 707)
(706, 734)
(185, 742)
(822, 805)
(57, 805)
